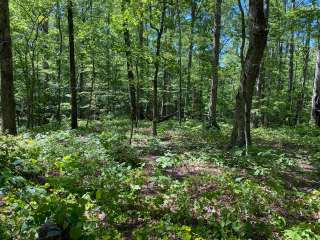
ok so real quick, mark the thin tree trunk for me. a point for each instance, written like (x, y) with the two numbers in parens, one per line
(215, 65)
(316, 86)
(140, 70)
(132, 90)
(93, 76)
(243, 36)
(60, 40)
(32, 88)
(281, 54)
(166, 76)
(93, 80)
(33, 79)
(190, 56)
(157, 65)
(73, 80)
(180, 64)
(301, 99)
(258, 39)
(260, 88)
(6, 65)
(291, 67)
(261, 83)
(46, 66)
(280, 83)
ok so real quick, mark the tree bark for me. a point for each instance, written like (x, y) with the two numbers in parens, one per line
(60, 42)
(316, 86)
(6, 65)
(180, 114)
(258, 39)
(165, 91)
(132, 90)
(46, 66)
(301, 98)
(291, 67)
(280, 71)
(140, 70)
(190, 56)
(215, 65)
(157, 65)
(73, 80)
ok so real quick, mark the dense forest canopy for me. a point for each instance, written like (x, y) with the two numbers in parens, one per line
(145, 84)
(117, 47)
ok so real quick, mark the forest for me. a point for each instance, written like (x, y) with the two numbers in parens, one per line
(160, 119)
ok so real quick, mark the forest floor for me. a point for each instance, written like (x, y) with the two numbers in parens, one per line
(185, 184)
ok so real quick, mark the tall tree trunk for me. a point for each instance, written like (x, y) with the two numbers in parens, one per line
(165, 90)
(280, 71)
(93, 80)
(60, 42)
(257, 42)
(180, 65)
(28, 84)
(140, 69)
(91, 111)
(193, 5)
(215, 65)
(281, 51)
(33, 79)
(301, 98)
(6, 65)
(132, 90)
(260, 89)
(243, 36)
(46, 66)
(291, 67)
(73, 80)
(262, 85)
(157, 65)
(316, 86)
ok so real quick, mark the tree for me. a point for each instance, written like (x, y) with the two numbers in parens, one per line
(59, 58)
(291, 64)
(177, 69)
(257, 41)
(180, 65)
(304, 77)
(6, 65)
(189, 89)
(73, 80)
(159, 31)
(215, 65)
(316, 86)
(127, 40)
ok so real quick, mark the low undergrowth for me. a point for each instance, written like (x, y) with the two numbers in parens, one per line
(67, 184)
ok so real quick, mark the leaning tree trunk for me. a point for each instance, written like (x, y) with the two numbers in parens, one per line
(215, 65)
(73, 80)
(257, 42)
(6, 65)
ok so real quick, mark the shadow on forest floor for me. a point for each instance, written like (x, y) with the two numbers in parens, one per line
(196, 158)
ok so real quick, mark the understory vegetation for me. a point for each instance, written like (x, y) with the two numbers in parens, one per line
(91, 184)
(160, 120)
